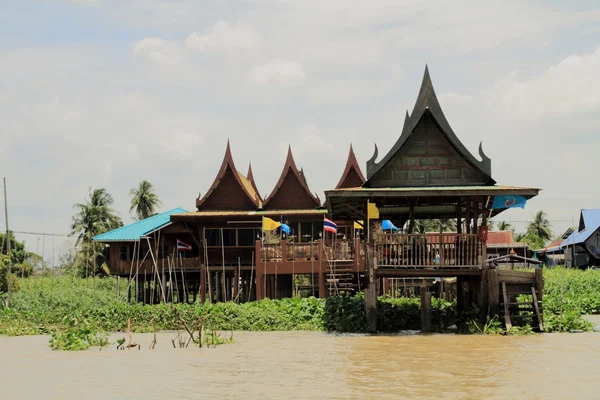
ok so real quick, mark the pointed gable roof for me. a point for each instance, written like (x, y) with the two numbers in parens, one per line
(250, 177)
(352, 175)
(427, 103)
(230, 189)
(291, 190)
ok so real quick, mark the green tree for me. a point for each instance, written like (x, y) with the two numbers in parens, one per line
(22, 262)
(93, 217)
(7, 279)
(533, 241)
(144, 201)
(504, 226)
(422, 226)
(540, 226)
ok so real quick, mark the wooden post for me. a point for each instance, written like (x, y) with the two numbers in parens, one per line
(202, 283)
(371, 292)
(493, 293)
(469, 215)
(236, 283)
(459, 217)
(539, 287)
(371, 281)
(118, 287)
(425, 308)
(322, 279)
(218, 286)
(260, 285)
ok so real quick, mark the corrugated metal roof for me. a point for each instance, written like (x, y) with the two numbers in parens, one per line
(503, 245)
(500, 237)
(591, 222)
(193, 214)
(138, 229)
(431, 189)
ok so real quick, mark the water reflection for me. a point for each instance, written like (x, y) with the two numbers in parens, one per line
(308, 365)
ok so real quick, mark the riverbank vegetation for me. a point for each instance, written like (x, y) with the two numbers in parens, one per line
(56, 304)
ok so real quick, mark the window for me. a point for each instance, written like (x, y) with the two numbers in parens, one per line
(162, 251)
(306, 231)
(214, 238)
(193, 253)
(247, 237)
(229, 238)
(317, 230)
(125, 252)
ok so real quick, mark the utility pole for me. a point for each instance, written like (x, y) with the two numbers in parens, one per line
(7, 246)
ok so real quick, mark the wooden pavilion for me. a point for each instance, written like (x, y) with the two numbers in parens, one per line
(429, 174)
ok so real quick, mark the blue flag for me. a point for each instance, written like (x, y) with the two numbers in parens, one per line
(509, 201)
(285, 228)
(387, 225)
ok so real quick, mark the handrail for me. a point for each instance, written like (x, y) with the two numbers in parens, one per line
(431, 249)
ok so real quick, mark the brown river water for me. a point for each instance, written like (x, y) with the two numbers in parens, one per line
(310, 365)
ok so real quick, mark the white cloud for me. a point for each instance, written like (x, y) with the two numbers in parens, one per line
(225, 36)
(571, 87)
(181, 146)
(287, 73)
(159, 51)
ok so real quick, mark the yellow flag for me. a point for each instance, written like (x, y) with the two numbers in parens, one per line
(269, 224)
(358, 224)
(372, 211)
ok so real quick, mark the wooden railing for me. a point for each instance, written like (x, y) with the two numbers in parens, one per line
(270, 252)
(302, 251)
(339, 250)
(435, 250)
(342, 250)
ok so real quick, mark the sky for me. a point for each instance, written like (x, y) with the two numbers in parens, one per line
(106, 93)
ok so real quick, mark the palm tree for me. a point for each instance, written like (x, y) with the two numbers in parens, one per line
(93, 217)
(540, 226)
(445, 225)
(504, 226)
(144, 200)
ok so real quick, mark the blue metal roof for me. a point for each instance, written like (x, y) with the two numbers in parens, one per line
(138, 229)
(591, 223)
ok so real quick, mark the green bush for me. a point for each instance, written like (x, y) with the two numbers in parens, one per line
(42, 304)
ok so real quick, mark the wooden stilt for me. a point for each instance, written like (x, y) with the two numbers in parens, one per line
(425, 309)
(203, 284)
(507, 322)
(218, 286)
(371, 292)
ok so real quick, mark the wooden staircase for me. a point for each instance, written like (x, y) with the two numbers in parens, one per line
(512, 310)
(340, 277)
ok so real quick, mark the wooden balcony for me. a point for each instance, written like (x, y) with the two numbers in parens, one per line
(428, 251)
(124, 268)
(309, 257)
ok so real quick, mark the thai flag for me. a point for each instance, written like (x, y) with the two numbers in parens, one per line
(329, 225)
(183, 246)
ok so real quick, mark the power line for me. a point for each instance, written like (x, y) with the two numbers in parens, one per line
(42, 234)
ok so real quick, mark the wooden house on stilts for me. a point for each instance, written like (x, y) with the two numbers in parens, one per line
(220, 251)
(429, 174)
